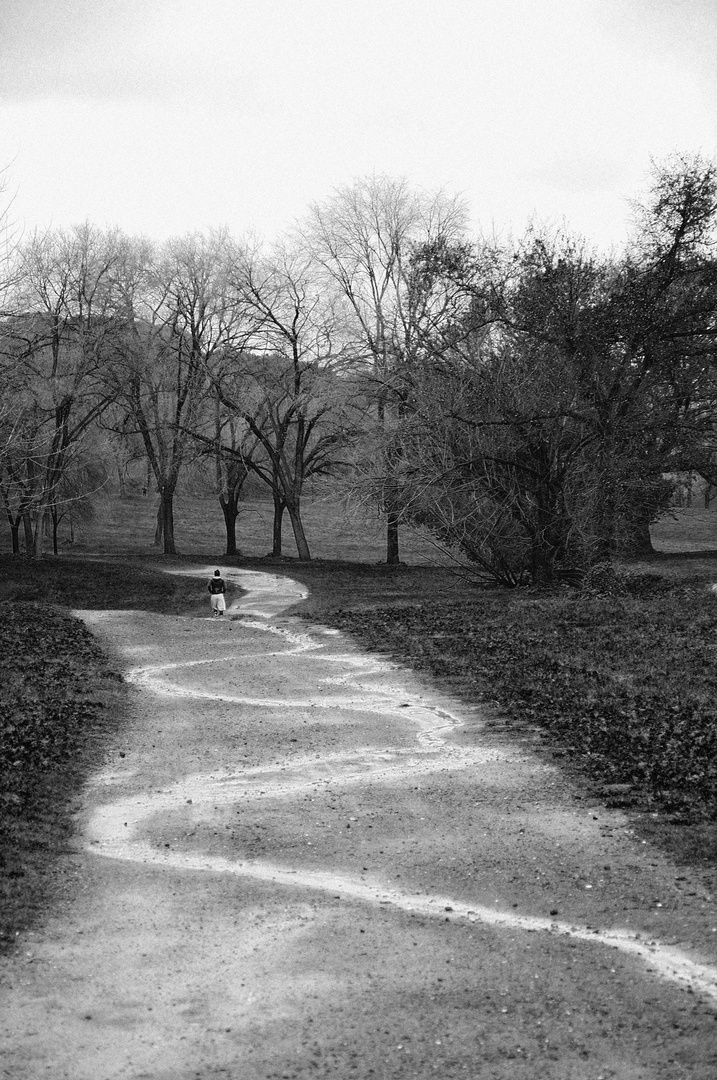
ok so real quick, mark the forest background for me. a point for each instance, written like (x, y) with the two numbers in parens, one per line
(531, 405)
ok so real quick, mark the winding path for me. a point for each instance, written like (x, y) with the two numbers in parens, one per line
(291, 842)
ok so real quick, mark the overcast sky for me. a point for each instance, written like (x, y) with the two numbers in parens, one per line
(165, 116)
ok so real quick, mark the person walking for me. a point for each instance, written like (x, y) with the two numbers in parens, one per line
(217, 588)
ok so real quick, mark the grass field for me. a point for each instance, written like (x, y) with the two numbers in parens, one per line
(125, 526)
(687, 530)
(622, 687)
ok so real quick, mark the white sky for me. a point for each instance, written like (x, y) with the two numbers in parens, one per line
(164, 116)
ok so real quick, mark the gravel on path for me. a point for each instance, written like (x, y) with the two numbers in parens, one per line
(303, 861)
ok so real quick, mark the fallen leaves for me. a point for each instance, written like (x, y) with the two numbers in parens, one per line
(626, 683)
(53, 682)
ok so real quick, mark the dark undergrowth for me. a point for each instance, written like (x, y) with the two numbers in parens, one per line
(56, 692)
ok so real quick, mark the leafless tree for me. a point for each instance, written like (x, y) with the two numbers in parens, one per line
(546, 442)
(178, 316)
(286, 381)
(362, 238)
(59, 340)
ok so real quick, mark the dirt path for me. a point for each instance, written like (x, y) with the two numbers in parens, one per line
(304, 862)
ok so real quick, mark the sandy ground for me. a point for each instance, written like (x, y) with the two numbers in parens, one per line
(301, 861)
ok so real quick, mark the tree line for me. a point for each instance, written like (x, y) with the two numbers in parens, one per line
(525, 402)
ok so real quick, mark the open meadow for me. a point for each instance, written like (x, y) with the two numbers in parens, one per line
(619, 688)
(126, 526)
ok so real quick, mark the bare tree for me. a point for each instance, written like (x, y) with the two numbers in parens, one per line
(545, 442)
(285, 382)
(60, 339)
(362, 239)
(231, 447)
(178, 316)
(493, 461)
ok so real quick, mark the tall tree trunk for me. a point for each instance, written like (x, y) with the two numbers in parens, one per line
(39, 532)
(28, 532)
(159, 529)
(638, 541)
(392, 542)
(13, 521)
(299, 535)
(541, 566)
(543, 548)
(390, 502)
(230, 510)
(605, 518)
(164, 532)
(641, 539)
(279, 507)
(168, 522)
